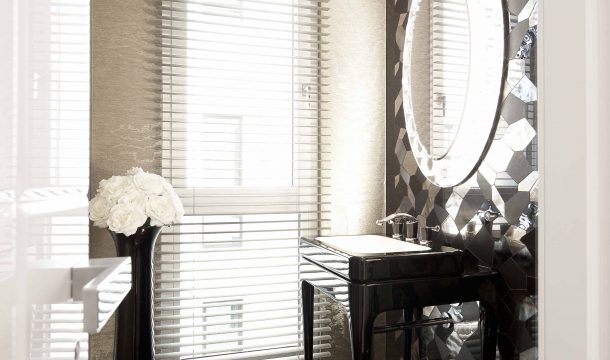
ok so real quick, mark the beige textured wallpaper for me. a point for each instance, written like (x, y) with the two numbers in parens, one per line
(356, 53)
(125, 122)
(356, 108)
(124, 117)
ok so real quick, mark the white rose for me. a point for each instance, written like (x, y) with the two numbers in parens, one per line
(113, 188)
(134, 198)
(178, 208)
(99, 210)
(133, 171)
(151, 184)
(175, 199)
(126, 219)
(161, 210)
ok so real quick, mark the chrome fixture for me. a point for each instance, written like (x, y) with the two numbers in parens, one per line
(404, 226)
(424, 238)
(445, 321)
(436, 228)
(528, 218)
(488, 215)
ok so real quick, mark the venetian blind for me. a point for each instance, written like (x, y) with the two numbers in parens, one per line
(244, 144)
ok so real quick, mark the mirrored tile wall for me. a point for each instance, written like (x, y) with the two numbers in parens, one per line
(507, 180)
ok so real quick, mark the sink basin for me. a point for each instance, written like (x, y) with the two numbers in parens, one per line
(367, 258)
(370, 245)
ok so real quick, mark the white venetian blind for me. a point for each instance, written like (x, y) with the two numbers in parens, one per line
(244, 144)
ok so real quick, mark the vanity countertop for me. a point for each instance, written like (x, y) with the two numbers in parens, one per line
(377, 258)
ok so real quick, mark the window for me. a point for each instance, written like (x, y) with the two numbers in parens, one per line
(244, 144)
(222, 321)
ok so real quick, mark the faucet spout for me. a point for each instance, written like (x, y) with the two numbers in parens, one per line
(399, 223)
(403, 218)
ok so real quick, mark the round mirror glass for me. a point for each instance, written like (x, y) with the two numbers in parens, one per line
(453, 63)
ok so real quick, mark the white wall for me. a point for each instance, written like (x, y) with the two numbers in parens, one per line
(598, 173)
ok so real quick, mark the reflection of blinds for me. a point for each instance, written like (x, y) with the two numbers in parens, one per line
(449, 46)
(56, 331)
(47, 180)
(8, 149)
(58, 170)
(244, 144)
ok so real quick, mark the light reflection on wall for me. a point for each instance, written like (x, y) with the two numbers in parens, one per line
(44, 171)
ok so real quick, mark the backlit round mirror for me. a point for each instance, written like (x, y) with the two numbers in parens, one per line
(453, 68)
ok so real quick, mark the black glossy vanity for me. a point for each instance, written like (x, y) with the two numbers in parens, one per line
(368, 285)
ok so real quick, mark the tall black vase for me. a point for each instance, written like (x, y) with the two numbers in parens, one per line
(134, 335)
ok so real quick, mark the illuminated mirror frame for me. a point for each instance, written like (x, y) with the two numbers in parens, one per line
(473, 137)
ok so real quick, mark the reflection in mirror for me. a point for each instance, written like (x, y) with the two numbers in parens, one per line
(44, 175)
(452, 81)
(439, 69)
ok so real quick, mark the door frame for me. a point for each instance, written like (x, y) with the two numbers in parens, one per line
(575, 151)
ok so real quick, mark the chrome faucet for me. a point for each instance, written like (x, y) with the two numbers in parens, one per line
(404, 226)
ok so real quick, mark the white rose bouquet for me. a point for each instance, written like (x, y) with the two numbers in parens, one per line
(124, 203)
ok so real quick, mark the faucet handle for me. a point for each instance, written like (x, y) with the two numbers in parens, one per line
(425, 235)
(436, 228)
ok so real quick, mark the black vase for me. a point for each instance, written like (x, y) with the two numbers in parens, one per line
(134, 335)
